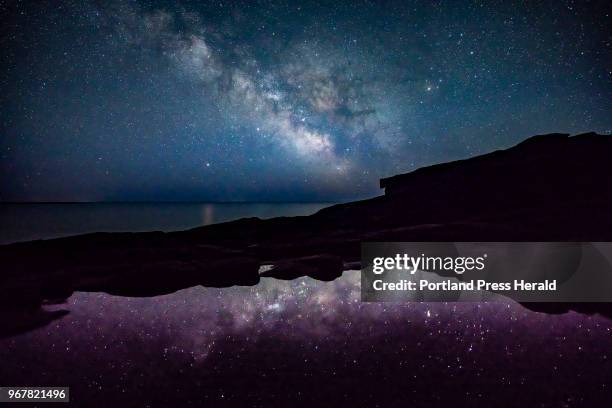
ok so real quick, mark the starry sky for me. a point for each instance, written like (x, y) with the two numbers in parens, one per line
(282, 101)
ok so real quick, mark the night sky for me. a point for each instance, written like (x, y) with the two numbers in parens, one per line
(283, 101)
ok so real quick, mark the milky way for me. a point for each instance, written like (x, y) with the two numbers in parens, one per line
(284, 101)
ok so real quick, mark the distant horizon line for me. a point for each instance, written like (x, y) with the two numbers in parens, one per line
(177, 202)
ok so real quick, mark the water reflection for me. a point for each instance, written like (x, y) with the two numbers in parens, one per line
(209, 214)
(203, 345)
(196, 317)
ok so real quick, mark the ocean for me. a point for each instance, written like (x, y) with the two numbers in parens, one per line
(25, 222)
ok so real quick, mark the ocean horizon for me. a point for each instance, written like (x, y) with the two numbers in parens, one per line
(27, 221)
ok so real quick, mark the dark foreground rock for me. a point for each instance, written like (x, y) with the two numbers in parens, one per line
(547, 188)
(321, 267)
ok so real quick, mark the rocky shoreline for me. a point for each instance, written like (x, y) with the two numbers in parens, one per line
(548, 188)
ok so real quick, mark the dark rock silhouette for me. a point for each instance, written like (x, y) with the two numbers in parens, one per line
(321, 267)
(547, 188)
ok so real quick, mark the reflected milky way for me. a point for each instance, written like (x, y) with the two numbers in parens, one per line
(205, 344)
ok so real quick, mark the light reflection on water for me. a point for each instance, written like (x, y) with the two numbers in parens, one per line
(193, 319)
(203, 344)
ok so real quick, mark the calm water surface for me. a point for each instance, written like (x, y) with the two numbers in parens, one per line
(24, 222)
(310, 343)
